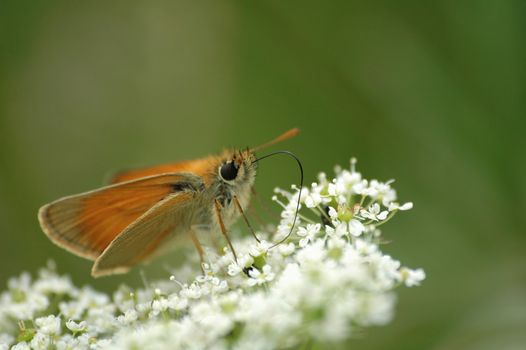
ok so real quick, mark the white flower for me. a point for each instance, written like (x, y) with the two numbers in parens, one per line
(313, 199)
(21, 283)
(412, 278)
(49, 283)
(260, 277)
(380, 309)
(40, 341)
(210, 318)
(219, 286)
(76, 327)
(308, 233)
(177, 303)
(258, 249)
(191, 292)
(48, 325)
(129, 317)
(159, 305)
(144, 308)
(101, 344)
(234, 269)
(382, 191)
(333, 214)
(312, 254)
(282, 231)
(243, 261)
(374, 213)
(6, 340)
(337, 243)
(286, 249)
(334, 325)
(388, 270)
(339, 231)
(395, 206)
(349, 179)
(365, 248)
(324, 283)
(21, 346)
(356, 228)
(338, 189)
(360, 187)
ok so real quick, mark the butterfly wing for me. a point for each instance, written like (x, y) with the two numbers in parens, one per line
(87, 223)
(142, 238)
(196, 166)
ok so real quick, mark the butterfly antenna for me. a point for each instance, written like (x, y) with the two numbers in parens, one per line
(287, 135)
(290, 154)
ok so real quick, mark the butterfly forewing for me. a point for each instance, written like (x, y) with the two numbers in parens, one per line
(87, 223)
(197, 166)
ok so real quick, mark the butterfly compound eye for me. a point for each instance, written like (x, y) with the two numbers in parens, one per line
(228, 171)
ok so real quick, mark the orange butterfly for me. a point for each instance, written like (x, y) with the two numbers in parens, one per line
(128, 221)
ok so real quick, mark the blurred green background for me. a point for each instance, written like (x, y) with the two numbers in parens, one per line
(429, 93)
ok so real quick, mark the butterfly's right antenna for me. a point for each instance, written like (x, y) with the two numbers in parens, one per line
(290, 154)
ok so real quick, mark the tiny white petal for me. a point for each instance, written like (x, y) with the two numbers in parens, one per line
(406, 206)
(382, 215)
(356, 228)
(333, 214)
(76, 327)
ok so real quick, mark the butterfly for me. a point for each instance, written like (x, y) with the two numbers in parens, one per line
(135, 217)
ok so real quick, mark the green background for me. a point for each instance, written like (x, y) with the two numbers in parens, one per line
(429, 93)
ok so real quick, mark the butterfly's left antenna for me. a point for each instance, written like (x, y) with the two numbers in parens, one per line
(286, 135)
(290, 154)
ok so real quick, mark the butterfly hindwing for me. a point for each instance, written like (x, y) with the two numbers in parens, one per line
(142, 238)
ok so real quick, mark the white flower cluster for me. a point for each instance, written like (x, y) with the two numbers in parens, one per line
(327, 280)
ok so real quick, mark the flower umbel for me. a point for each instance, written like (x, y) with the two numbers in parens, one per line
(271, 297)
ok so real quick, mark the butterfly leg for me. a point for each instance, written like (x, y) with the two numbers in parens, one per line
(238, 205)
(223, 228)
(199, 248)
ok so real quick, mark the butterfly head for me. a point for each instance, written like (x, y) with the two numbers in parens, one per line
(237, 167)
